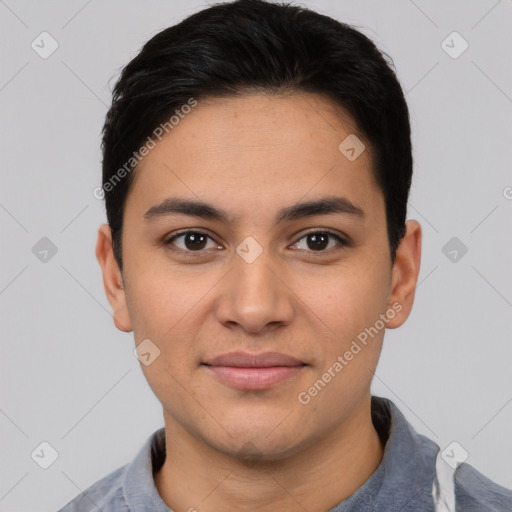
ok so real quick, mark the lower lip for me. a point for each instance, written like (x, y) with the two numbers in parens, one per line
(254, 378)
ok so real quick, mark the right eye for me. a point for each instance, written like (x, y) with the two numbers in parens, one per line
(190, 242)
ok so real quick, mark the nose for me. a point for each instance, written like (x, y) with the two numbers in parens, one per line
(255, 297)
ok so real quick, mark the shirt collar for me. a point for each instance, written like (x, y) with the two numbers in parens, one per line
(403, 479)
(138, 487)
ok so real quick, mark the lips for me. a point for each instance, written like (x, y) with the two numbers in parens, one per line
(246, 371)
(246, 360)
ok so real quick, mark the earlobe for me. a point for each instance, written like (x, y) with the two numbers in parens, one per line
(405, 274)
(112, 279)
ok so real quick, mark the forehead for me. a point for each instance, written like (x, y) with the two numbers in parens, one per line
(261, 150)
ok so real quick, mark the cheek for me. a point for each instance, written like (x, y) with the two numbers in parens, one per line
(168, 308)
(161, 298)
(348, 300)
(350, 305)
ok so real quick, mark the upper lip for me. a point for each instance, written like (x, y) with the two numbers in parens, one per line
(248, 360)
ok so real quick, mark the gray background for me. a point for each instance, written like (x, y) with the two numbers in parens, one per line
(69, 377)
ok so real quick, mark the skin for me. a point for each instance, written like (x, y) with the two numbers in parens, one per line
(261, 450)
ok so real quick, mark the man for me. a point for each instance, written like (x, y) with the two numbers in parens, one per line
(256, 172)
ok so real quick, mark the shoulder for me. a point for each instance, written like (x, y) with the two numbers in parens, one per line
(130, 487)
(105, 495)
(477, 493)
(416, 459)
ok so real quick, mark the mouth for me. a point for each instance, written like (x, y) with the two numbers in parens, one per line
(251, 372)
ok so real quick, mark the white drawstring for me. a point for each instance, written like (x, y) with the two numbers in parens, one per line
(443, 486)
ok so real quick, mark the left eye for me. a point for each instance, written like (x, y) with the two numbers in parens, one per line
(318, 241)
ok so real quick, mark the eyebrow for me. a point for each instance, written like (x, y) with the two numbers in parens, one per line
(324, 206)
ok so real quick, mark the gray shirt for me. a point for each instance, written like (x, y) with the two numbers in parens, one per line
(412, 476)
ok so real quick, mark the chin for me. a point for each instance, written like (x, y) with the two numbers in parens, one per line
(255, 440)
(257, 451)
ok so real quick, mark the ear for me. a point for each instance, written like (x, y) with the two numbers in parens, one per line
(112, 279)
(405, 274)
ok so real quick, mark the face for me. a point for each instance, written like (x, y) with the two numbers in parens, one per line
(288, 289)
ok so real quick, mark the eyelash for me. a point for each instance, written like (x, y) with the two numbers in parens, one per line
(309, 254)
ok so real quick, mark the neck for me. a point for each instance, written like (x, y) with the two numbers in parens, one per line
(195, 476)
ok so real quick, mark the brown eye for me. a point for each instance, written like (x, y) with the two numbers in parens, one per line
(319, 241)
(194, 241)
(191, 241)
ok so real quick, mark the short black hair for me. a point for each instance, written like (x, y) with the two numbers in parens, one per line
(247, 46)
